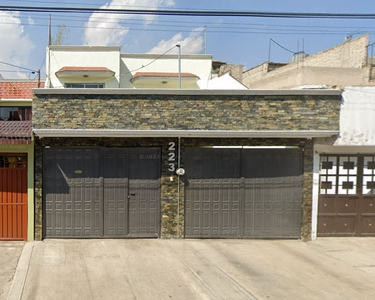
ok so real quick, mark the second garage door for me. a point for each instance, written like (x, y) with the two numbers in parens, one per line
(243, 193)
(107, 192)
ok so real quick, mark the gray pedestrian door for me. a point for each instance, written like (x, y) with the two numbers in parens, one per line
(243, 193)
(101, 192)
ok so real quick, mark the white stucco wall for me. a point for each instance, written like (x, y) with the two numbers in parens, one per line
(82, 56)
(357, 117)
(199, 65)
(225, 82)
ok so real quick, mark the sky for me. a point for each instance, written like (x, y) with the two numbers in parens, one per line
(234, 40)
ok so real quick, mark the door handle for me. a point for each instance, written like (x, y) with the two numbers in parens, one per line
(131, 195)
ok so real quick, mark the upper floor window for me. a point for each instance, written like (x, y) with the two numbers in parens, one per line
(15, 113)
(84, 85)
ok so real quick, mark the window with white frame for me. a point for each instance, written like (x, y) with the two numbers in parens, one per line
(84, 85)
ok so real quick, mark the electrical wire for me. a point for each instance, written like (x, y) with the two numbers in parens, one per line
(8, 64)
(205, 13)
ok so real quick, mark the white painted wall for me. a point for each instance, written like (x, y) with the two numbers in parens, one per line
(357, 117)
(199, 65)
(124, 65)
(225, 82)
(82, 56)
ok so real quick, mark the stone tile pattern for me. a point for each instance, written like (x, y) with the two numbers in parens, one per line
(183, 112)
(192, 112)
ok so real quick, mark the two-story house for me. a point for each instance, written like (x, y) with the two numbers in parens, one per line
(116, 160)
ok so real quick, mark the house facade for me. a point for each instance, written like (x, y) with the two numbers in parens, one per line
(344, 182)
(107, 67)
(16, 160)
(123, 163)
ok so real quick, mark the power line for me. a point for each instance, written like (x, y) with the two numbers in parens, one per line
(205, 13)
(103, 19)
(8, 64)
(216, 29)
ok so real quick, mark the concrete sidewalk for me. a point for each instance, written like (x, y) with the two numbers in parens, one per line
(328, 268)
(9, 255)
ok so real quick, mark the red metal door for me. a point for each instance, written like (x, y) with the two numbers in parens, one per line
(13, 197)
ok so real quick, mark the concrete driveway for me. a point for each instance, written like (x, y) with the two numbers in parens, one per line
(328, 268)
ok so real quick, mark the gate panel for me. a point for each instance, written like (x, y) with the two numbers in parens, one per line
(109, 192)
(144, 192)
(72, 189)
(243, 193)
(212, 193)
(273, 193)
(347, 196)
(116, 192)
(367, 201)
(13, 197)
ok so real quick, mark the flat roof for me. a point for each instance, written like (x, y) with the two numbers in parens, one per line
(121, 91)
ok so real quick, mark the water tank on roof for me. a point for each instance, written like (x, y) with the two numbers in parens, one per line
(298, 56)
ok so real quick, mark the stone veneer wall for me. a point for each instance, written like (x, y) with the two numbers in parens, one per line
(186, 112)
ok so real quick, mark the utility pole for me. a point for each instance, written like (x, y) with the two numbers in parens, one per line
(179, 65)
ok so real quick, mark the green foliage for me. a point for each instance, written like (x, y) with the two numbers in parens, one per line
(61, 36)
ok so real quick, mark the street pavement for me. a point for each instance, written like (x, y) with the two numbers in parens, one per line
(327, 268)
(9, 255)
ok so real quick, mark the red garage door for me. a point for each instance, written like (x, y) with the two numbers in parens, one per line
(13, 197)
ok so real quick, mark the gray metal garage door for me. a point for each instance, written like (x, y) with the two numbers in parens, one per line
(243, 193)
(108, 192)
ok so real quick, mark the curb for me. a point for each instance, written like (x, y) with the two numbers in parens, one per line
(19, 279)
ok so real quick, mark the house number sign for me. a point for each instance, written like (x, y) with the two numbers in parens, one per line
(171, 157)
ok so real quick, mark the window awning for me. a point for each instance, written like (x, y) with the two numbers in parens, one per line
(15, 132)
(162, 78)
(86, 72)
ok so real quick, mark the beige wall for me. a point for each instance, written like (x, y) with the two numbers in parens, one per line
(345, 60)
(234, 70)
(315, 76)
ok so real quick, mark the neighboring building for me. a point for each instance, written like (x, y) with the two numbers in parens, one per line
(16, 160)
(344, 170)
(342, 65)
(122, 163)
(107, 67)
(344, 182)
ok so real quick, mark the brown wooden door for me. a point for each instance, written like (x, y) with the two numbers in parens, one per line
(347, 195)
(13, 197)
